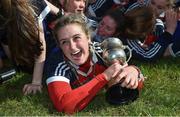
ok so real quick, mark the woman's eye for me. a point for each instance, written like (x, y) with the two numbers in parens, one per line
(77, 38)
(101, 23)
(63, 42)
(160, 8)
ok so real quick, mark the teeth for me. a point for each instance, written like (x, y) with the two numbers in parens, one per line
(76, 52)
(79, 11)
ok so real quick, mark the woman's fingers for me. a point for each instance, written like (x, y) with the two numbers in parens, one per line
(31, 88)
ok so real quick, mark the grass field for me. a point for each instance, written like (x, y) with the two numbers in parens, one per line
(160, 96)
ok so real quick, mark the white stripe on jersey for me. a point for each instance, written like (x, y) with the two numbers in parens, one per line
(159, 22)
(64, 71)
(57, 78)
(91, 11)
(159, 27)
(147, 54)
(136, 4)
(61, 69)
(57, 68)
(171, 51)
(151, 52)
(43, 14)
(98, 4)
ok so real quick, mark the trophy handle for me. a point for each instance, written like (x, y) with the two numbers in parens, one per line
(130, 52)
(92, 48)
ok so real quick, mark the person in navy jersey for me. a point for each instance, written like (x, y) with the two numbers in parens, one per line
(76, 73)
(163, 42)
(133, 26)
(22, 37)
(98, 8)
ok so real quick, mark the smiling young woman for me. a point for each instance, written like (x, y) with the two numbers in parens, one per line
(76, 73)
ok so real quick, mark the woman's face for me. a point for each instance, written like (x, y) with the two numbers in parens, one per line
(107, 27)
(159, 6)
(76, 6)
(74, 43)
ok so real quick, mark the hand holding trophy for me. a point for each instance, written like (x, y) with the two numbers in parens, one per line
(115, 51)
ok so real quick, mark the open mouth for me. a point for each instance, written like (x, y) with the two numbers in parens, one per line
(79, 11)
(77, 54)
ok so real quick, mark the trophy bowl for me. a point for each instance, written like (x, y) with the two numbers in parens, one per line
(114, 50)
(115, 54)
(111, 43)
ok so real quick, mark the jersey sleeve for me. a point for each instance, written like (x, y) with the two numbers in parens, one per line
(134, 4)
(100, 7)
(154, 51)
(174, 48)
(41, 9)
(68, 100)
(53, 60)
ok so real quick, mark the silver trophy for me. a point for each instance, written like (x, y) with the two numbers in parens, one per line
(114, 50)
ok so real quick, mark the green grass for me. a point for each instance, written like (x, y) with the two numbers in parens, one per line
(160, 96)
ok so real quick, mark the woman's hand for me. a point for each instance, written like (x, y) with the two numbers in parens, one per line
(112, 71)
(171, 21)
(32, 88)
(128, 77)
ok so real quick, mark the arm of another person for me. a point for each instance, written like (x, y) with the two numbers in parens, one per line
(174, 48)
(53, 8)
(39, 62)
(36, 84)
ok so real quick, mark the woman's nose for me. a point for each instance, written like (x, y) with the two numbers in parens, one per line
(72, 45)
(82, 5)
(102, 28)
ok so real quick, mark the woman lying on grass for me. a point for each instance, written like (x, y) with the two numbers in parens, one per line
(76, 73)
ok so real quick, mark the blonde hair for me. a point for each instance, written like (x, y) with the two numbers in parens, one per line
(71, 19)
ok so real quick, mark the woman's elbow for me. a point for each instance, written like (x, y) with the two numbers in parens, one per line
(66, 108)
